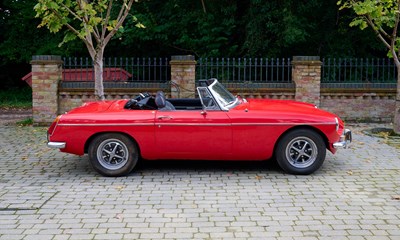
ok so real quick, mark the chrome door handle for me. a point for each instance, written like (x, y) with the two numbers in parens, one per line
(164, 117)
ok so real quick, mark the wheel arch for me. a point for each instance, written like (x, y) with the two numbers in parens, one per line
(303, 127)
(91, 138)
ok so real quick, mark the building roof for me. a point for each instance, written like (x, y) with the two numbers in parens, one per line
(87, 75)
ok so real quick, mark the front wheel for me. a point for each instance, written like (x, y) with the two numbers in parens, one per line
(301, 152)
(113, 155)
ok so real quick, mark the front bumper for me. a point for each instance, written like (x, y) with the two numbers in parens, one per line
(345, 140)
(56, 145)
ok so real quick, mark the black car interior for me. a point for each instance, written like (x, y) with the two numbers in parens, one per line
(145, 101)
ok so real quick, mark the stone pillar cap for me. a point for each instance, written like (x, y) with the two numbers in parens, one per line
(306, 58)
(47, 57)
(182, 57)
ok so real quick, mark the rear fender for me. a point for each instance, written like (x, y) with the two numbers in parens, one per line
(91, 138)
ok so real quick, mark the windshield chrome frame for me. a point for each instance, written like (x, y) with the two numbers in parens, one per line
(218, 99)
(205, 108)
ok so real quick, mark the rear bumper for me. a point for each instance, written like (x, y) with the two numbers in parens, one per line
(56, 145)
(345, 140)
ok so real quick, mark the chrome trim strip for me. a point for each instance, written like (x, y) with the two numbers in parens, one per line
(196, 124)
(57, 145)
(190, 124)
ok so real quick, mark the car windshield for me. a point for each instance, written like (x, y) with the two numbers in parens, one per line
(225, 99)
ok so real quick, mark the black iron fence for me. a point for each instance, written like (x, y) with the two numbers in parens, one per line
(253, 71)
(358, 70)
(118, 69)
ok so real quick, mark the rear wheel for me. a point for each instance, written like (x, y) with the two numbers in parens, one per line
(113, 154)
(301, 151)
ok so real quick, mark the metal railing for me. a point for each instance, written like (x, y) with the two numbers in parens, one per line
(118, 69)
(236, 70)
(358, 70)
(248, 72)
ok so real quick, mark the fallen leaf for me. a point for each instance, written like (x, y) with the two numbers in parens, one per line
(396, 197)
(350, 172)
(119, 188)
(119, 216)
(258, 177)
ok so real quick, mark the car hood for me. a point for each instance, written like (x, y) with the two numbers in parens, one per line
(287, 107)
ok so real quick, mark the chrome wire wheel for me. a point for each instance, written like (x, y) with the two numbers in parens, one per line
(112, 154)
(301, 152)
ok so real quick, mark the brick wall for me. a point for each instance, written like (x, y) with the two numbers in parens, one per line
(49, 99)
(306, 74)
(46, 73)
(359, 105)
(183, 74)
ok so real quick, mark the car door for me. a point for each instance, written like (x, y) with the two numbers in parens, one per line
(193, 134)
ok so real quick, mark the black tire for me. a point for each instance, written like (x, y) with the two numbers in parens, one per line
(113, 154)
(301, 152)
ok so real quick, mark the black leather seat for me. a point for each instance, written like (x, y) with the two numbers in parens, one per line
(162, 103)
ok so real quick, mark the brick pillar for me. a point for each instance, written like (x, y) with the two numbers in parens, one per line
(183, 76)
(306, 74)
(46, 73)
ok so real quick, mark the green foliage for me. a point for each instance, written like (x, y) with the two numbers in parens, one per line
(243, 28)
(16, 98)
(19, 38)
(93, 22)
(382, 13)
(227, 28)
(181, 27)
(271, 26)
(84, 19)
(25, 122)
(382, 16)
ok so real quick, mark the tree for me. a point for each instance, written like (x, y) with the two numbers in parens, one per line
(383, 16)
(94, 22)
(182, 27)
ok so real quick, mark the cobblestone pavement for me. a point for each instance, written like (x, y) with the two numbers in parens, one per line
(45, 194)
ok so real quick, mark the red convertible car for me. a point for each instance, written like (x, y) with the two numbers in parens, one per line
(216, 126)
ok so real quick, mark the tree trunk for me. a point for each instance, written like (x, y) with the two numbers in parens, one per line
(98, 75)
(396, 120)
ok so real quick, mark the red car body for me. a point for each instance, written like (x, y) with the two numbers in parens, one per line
(249, 130)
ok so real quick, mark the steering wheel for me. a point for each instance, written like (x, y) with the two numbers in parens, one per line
(131, 104)
(142, 96)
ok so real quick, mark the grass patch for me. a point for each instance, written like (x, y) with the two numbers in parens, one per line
(16, 98)
(25, 122)
(384, 132)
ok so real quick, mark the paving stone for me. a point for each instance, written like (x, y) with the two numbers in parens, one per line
(46, 194)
